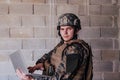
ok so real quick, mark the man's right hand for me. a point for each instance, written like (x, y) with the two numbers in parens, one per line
(22, 75)
(39, 66)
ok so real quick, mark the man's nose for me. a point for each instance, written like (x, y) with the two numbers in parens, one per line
(65, 31)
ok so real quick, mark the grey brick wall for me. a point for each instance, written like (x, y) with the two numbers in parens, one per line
(26, 25)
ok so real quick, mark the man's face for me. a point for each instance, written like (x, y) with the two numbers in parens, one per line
(67, 32)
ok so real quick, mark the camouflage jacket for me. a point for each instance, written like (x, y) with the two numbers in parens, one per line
(69, 61)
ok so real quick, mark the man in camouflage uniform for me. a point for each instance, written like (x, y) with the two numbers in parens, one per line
(71, 59)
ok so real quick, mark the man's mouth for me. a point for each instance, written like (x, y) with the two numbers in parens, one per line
(65, 36)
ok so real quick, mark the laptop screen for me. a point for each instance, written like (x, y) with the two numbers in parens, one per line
(18, 61)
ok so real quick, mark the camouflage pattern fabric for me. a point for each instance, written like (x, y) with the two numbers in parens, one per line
(69, 61)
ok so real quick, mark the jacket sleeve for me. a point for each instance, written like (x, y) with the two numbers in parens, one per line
(47, 55)
(81, 72)
(84, 70)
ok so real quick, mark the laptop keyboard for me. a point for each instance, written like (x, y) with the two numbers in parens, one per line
(43, 78)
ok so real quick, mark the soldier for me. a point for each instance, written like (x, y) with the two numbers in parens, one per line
(71, 59)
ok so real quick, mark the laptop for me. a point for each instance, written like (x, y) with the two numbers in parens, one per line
(19, 63)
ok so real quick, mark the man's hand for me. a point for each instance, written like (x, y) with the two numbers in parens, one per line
(39, 66)
(22, 75)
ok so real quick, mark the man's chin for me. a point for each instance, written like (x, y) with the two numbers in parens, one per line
(66, 40)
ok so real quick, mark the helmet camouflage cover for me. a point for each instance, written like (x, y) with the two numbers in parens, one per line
(69, 19)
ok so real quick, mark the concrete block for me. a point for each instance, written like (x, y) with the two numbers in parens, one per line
(82, 6)
(14, 1)
(99, 2)
(41, 32)
(115, 2)
(10, 44)
(109, 32)
(84, 20)
(58, 40)
(116, 66)
(3, 8)
(21, 9)
(4, 55)
(119, 20)
(102, 44)
(9, 1)
(95, 2)
(33, 1)
(115, 21)
(96, 55)
(6, 68)
(4, 59)
(51, 43)
(97, 76)
(94, 9)
(1, 1)
(116, 44)
(109, 10)
(4, 32)
(89, 32)
(103, 66)
(57, 1)
(21, 32)
(83, 10)
(61, 1)
(41, 9)
(11, 20)
(53, 33)
(101, 20)
(33, 44)
(118, 1)
(33, 21)
(61, 9)
(110, 55)
(44, 32)
(51, 21)
(111, 76)
(119, 66)
(77, 1)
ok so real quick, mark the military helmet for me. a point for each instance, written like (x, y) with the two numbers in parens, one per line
(69, 19)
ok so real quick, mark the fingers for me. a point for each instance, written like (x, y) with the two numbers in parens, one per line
(22, 75)
(36, 67)
(39, 66)
(31, 69)
(42, 68)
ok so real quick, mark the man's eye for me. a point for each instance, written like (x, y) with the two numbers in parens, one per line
(61, 29)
